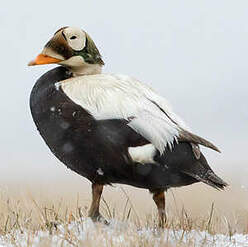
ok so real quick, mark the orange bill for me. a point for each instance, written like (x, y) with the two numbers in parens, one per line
(44, 59)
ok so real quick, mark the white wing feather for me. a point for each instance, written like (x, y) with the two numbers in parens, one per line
(117, 96)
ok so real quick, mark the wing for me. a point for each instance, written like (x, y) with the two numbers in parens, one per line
(122, 97)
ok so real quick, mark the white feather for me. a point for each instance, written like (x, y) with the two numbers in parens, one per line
(121, 97)
(79, 38)
(142, 154)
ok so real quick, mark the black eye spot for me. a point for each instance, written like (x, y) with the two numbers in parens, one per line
(73, 37)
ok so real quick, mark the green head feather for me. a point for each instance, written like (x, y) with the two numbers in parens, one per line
(90, 53)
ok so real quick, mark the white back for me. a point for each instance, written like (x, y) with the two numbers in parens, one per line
(122, 97)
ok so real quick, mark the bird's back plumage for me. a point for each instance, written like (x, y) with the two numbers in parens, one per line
(107, 96)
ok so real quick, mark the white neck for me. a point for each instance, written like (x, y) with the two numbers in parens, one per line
(86, 69)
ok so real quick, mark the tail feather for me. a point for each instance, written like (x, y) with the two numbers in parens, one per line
(187, 136)
(187, 168)
(211, 179)
(201, 171)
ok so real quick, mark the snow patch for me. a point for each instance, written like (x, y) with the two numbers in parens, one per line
(52, 108)
(57, 85)
(86, 233)
(100, 172)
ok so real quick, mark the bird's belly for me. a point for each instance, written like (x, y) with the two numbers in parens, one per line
(74, 138)
(77, 144)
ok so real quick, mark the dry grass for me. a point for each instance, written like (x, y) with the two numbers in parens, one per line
(56, 210)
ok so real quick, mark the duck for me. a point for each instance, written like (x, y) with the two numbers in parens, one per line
(112, 128)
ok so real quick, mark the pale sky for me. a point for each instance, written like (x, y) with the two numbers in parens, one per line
(194, 53)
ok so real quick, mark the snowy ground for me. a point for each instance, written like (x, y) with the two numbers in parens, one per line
(86, 233)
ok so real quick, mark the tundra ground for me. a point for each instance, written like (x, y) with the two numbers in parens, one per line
(56, 215)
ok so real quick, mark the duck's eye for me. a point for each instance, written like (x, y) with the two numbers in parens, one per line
(73, 37)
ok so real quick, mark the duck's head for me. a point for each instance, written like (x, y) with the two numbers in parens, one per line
(71, 47)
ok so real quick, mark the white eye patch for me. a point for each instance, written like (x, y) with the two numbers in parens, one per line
(75, 38)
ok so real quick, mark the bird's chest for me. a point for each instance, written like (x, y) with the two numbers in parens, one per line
(64, 125)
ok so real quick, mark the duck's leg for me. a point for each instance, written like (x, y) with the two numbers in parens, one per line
(94, 213)
(159, 199)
